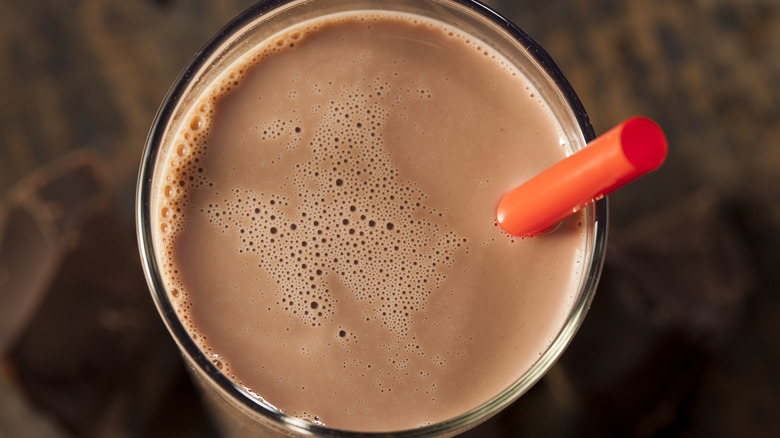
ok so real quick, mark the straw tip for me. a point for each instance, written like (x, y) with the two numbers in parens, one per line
(644, 143)
(512, 215)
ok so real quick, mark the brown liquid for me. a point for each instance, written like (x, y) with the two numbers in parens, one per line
(326, 219)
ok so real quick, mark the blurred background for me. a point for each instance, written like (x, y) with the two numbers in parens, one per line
(683, 338)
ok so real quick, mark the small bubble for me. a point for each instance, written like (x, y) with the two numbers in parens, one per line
(196, 123)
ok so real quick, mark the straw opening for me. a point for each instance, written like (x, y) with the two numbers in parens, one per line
(643, 142)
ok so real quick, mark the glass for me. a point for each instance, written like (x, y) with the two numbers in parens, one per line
(238, 413)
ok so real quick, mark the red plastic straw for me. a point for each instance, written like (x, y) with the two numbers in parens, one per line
(622, 154)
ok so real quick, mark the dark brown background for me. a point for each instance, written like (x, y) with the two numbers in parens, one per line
(684, 335)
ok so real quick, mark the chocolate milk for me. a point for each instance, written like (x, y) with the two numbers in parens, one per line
(325, 219)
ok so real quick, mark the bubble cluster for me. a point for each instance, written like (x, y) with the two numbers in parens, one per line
(353, 224)
(286, 132)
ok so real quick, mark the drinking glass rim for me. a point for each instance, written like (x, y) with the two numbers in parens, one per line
(196, 64)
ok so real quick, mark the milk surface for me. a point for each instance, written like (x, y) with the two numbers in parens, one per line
(325, 223)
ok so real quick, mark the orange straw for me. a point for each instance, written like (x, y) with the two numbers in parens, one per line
(622, 154)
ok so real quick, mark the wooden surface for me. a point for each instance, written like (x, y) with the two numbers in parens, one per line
(684, 335)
